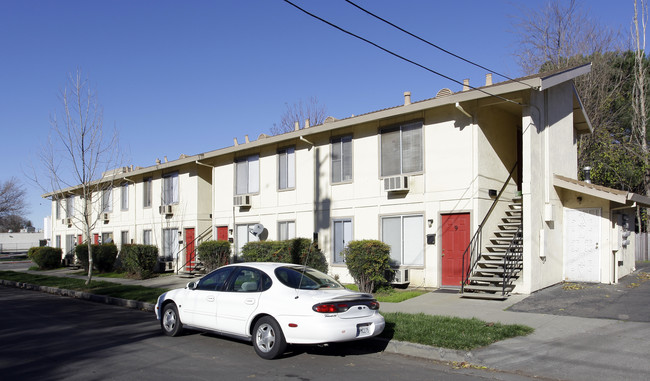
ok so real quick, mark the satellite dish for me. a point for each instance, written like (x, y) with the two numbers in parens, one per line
(256, 230)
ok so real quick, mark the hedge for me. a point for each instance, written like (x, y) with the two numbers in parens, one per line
(368, 262)
(139, 261)
(46, 258)
(298, 250)
(214, 254)
(103, 256)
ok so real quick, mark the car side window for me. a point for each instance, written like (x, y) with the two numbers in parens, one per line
(249, 280)
(215, 280)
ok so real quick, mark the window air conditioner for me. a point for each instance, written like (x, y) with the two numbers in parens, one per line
(396, 184)
(166, 209)
(106, 217)
(68, 221)
(401, 276)
(242, 200)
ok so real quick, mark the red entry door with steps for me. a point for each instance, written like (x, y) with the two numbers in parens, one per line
(190, 255)
(455, 238)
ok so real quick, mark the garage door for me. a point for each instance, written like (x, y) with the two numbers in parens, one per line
(582, 239)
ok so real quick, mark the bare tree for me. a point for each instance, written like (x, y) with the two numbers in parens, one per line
(79, 155)
(549, 37)
(639, 135)
(12, 198)
(299, 112)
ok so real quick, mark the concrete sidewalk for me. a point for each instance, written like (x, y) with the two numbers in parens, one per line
(562, 347)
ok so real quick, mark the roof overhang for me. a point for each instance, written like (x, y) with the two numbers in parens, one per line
(508, 91)
(618, 196)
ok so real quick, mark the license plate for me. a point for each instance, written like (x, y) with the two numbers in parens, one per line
(363, 330)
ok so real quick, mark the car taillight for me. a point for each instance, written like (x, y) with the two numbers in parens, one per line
(330, 308)
(374, 305)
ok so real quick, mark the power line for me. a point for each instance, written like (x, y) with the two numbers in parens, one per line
(397, 55)
(429, 43)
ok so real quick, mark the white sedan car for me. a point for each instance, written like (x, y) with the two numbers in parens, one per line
(272, 305)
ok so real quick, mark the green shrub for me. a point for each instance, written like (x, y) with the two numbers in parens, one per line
(103, 256)
(298, 250)
(214, 254)
(46, 258)
(139, 261)
(368, 262)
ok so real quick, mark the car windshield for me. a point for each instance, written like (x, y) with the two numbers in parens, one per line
(305, 278)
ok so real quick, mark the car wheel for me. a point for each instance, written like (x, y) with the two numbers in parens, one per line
(171, 322)
(268, 339)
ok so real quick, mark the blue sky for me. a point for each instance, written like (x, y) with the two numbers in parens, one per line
(185, 77)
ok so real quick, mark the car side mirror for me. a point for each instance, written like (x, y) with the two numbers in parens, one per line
(192, 285)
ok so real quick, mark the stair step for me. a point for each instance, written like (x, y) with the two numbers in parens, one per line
(473, 287)
(480, 295)
(509, 225)
(488, 279)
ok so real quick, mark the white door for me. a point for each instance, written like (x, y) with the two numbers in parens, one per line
(582, 240)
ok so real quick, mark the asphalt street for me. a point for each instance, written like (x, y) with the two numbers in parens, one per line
(48, 337)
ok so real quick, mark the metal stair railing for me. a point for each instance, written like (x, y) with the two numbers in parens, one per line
(471, 255)
(511, 260)
(206, 234)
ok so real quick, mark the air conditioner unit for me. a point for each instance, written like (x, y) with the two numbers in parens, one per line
(106, 217)
(396, 184)
(68, 221)
(401, 276)
(166, 209)
(242, 200)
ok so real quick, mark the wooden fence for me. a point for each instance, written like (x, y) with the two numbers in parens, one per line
(642, 246)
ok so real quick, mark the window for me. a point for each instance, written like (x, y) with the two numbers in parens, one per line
(286, 230)
(247, 172)
(124, 196)
(342, 235)
(57, 241)
(124, 237)
(342, 159)
(107, 237)
(146, 237)
(170, 189)
(170, 244)
(146, 193)
(287, 168)
(244, 236)
(405, 235)
(58, 210)
(216, 280)
(107, 200)
(249, 280)
(401, 149)
(69, 243)
(69, 207)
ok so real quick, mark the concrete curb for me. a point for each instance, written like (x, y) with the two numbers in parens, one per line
(134, 304)
(428, 352)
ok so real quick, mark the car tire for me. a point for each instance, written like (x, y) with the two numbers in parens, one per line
(171, 322)
(268, 339)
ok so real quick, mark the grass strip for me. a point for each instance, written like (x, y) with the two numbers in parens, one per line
(132, 292)
(448, 332)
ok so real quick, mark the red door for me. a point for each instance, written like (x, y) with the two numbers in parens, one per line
(190, 255)
(96, 238)
(222, 233)
(80, 239)
(455, 239)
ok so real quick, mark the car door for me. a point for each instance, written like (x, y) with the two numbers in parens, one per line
(238, 302)
(200, 306)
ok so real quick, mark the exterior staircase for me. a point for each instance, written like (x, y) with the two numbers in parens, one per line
(499, 266)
